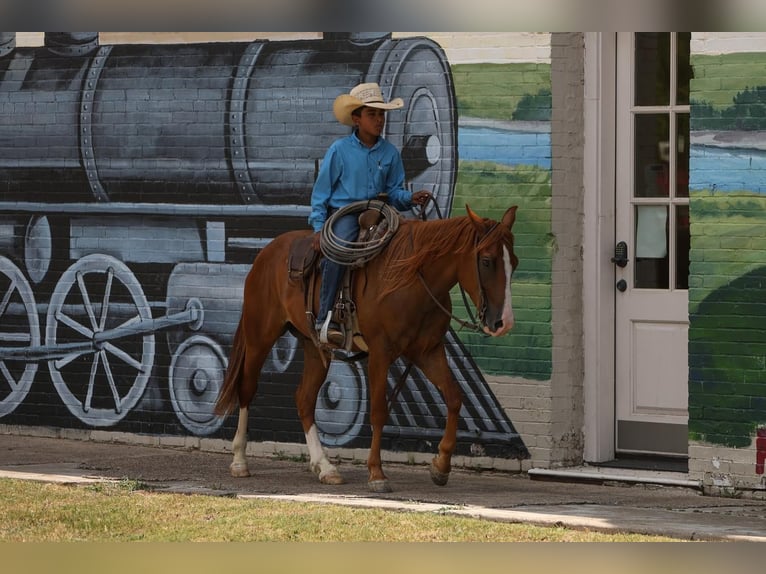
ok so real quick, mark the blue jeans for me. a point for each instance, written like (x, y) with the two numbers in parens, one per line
(345, 228)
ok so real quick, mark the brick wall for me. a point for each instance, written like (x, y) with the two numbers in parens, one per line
(156, 208)
(567, 55)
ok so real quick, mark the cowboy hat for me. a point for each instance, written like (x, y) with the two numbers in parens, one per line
(362, 95)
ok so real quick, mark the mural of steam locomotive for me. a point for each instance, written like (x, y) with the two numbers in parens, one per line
(137, 183)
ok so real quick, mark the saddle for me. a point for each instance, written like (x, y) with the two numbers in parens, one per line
(303, 264)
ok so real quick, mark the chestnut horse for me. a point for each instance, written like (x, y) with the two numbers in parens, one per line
(403, 305)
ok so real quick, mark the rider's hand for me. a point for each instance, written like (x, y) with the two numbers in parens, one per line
(315, 242)
(421, 197)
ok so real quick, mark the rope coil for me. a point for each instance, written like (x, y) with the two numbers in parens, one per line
(357, 253)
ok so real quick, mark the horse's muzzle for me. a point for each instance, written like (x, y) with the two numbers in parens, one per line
(500, 326)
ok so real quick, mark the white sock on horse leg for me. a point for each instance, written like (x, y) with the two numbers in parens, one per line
(318, 461)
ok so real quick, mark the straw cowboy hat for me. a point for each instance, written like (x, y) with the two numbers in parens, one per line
(362, 95)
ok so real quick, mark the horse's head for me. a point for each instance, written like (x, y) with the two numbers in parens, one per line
(495, 263)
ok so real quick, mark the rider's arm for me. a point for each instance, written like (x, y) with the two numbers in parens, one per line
(323, 187)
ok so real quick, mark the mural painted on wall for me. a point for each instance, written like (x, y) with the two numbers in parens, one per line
(505, 151)
(139, 181)
(727, 393)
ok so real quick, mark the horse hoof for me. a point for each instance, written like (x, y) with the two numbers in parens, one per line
(333, 477)
(239, 470)
(379, 486)
(438, 477)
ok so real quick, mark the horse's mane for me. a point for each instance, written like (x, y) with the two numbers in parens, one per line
(417, 242)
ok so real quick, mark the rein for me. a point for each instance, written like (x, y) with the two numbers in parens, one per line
(474, 324)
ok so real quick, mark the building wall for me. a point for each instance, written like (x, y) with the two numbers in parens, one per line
(157, 209)
(727, 386)
(567, 71)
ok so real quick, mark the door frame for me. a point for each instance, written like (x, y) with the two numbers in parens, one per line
(599, 277)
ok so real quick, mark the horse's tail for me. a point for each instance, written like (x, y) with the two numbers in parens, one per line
(228, 396)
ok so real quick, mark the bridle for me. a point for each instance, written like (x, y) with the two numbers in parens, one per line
(475, 324)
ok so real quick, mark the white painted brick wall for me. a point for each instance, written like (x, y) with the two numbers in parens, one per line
(567, 128)
(722, 469)
(713, 43)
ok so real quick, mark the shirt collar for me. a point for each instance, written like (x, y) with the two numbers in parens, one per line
(355, 135)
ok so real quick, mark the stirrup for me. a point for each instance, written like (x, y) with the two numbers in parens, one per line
(325, 328)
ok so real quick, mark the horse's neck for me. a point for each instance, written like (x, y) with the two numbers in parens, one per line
(441, 269)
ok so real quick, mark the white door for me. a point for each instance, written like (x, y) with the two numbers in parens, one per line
(652, 219)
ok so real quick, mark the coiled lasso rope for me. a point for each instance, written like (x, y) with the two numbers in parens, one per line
(357, 253)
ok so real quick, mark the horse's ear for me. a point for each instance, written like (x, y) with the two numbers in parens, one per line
(477, 221)
(510, 216)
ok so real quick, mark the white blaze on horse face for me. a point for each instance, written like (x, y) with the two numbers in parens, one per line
(507, 306)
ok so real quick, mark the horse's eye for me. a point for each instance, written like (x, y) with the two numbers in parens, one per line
(486, 262)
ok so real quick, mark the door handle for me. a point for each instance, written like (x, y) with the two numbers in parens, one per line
(620, 254)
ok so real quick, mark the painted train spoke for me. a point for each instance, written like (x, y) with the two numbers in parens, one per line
(8, 376)
(125, 357)
(107, 297)
(86, 300)
(7, 297)
(91, 383)
(112, 384)
(74, 325)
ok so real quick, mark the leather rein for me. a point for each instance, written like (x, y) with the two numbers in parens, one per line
(475, 323)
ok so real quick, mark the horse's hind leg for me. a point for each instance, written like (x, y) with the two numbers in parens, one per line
(253, 362)
(238, 466)
(436, 368)
(314, 374)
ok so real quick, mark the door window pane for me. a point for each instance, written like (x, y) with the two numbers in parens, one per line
(651, 155)
(651, 241)
(652, 69)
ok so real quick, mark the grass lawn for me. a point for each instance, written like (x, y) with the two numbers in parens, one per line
(124, 511)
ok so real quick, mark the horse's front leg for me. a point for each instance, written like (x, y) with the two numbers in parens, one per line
(314, 374)
(435, 366)
(377, 372)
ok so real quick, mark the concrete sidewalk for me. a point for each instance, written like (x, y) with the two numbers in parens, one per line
(647, 503)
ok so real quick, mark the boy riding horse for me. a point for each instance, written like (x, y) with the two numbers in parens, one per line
(357, 167)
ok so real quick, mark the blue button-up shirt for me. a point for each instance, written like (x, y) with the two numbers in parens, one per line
(351, 171)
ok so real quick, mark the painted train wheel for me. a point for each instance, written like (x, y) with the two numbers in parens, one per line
(196, 376)
(416, 70)
(97, 310)
(19, 328)
(341, 404)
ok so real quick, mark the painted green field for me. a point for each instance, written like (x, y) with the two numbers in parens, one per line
(727, 230)
(719, 78)
(497, 91)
